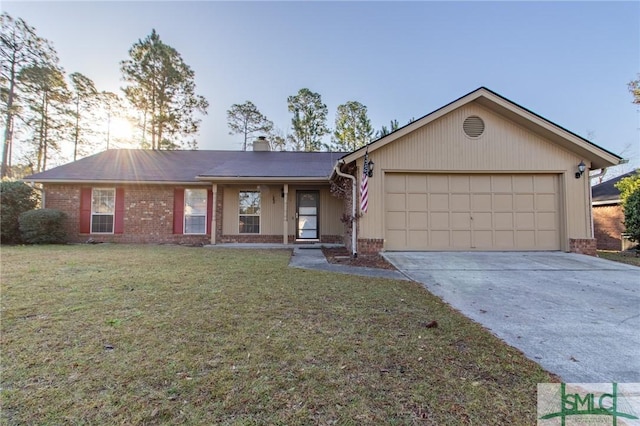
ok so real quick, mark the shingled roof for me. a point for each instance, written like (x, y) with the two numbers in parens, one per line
(606, 192)
(137, 166)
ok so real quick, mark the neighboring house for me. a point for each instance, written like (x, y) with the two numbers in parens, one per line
(608, 216)
(481, 173)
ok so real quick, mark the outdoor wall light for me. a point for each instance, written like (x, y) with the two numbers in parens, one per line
(370, 165)
(581, 169)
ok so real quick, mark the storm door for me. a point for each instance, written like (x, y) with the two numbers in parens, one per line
(307, 222)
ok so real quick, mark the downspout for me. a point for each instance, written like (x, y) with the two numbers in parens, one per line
(354, 251)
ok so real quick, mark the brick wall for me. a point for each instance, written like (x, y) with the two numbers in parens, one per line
(583, 246)
(608, 225)
(369, 246)
(148, 216)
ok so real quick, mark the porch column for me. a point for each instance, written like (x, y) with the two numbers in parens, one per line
(285, 231)
(214, 209)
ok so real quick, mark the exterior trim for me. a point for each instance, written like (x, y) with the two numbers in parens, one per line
(606, 202)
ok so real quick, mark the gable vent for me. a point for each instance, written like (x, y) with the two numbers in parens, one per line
(473, 126)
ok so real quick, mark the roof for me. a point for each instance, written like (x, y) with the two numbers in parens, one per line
(138, 165)
(606, 192)
(596, 155)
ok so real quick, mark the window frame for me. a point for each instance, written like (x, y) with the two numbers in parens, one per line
(185, 215)
(112, 214)
(241, 215)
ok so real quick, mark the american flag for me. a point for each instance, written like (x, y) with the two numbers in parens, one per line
(364, 185)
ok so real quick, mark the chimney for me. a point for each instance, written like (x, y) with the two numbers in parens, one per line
(261, 144)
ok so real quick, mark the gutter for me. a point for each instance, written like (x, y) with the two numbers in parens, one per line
(336, 169)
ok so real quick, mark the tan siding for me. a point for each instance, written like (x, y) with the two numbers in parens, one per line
(505, 147)
(272, 209)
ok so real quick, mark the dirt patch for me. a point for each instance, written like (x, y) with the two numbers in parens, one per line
(341, 256)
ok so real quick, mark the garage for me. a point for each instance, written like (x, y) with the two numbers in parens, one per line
(440, 211)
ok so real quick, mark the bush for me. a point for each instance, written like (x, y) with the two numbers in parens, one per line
(630, 195)
(15, 199)
(44, 226)
(632, 215)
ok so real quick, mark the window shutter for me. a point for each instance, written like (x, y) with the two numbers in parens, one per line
(85, 210)
(210, 211)
(178, 211)
(118, 226)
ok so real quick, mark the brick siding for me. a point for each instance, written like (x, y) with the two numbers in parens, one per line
(608, 225)
(370, 246)
(148, 218)
(583, 246)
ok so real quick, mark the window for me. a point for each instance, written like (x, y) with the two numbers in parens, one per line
(249, 212)
(195, 211)
(103, 203)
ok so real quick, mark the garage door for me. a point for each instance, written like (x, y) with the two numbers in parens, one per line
(471, 212)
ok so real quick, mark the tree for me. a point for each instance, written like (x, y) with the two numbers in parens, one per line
(630, 196)
(634, 88)
(384, 131)
(245, 119)
(47, 96)
(162, 87)
(84, 98)
(111, 107)
(353, 127)
(309, 120)
(20, 47)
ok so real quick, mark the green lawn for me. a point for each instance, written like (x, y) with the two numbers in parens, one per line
(120, 334)
(628, 257)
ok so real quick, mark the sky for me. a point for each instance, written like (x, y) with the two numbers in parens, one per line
(569, 62)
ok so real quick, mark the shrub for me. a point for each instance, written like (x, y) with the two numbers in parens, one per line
(630, 195)
(44, 226)
(15, 199)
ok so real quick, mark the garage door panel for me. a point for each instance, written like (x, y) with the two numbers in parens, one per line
(545, 183)
(505, 239)
(417, 239)
(524, 202)
(475, 211)
(460, 220)
(396, 202)
(483, 239)
(418, 202)
(481, 202)
(480, 184)
(547, 221)
(482, 221)
(523, 183)
(503, 202)
(461, 202)
(438, 183)
(397, 220)
(461, 239)
(501, 183)
(503, 220)
(418, 220)
(439, 221)
(417, 184)
(545, 202)
(395, 183)
(459, 184)
(525, 220)
(439, 202)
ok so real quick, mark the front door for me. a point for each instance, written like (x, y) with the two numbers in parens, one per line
(307, 215)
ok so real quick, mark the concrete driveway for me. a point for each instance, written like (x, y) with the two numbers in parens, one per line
(577, 316)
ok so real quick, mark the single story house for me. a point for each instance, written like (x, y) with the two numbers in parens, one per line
(608, 216)
(480, 173)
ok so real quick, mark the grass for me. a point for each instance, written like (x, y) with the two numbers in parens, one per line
(117, 334)
(628, 257)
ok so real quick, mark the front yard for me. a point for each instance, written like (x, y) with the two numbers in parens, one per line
(117, 334)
